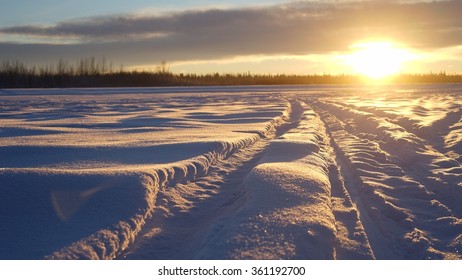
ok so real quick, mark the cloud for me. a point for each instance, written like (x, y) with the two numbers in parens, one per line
(294, 28)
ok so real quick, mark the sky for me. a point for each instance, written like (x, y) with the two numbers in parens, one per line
(292, 37)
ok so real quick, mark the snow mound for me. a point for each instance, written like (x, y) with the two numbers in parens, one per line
(287, 214)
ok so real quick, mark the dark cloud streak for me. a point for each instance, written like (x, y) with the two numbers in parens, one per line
(295, 28)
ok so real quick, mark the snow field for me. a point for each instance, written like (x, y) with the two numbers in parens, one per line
(231, 173)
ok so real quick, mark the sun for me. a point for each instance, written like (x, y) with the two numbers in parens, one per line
(377, 59)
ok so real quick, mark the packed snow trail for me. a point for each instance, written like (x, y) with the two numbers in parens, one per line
(185, 214)
(289, 213)
(277, 205)
(401, 217)
(109, 244)
(421, 161)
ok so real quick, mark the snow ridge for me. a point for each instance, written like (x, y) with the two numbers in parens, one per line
(108, 243)
(287, 212)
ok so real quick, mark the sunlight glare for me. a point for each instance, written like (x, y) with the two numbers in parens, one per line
(377, 59)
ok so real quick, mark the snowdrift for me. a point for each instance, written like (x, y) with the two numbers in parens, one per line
(90, 202)
(288, 212)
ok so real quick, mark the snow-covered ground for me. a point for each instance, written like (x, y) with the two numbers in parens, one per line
(232, 173)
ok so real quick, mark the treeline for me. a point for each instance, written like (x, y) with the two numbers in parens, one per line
(429, 78)
(91, 72)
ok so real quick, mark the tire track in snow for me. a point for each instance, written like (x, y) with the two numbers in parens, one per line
(379, 246)
(413, 223)
(352, 241)
(434, 137)
(437, 172)
(110, 242)
(435, 133)
(185, 212)
(288, 213)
